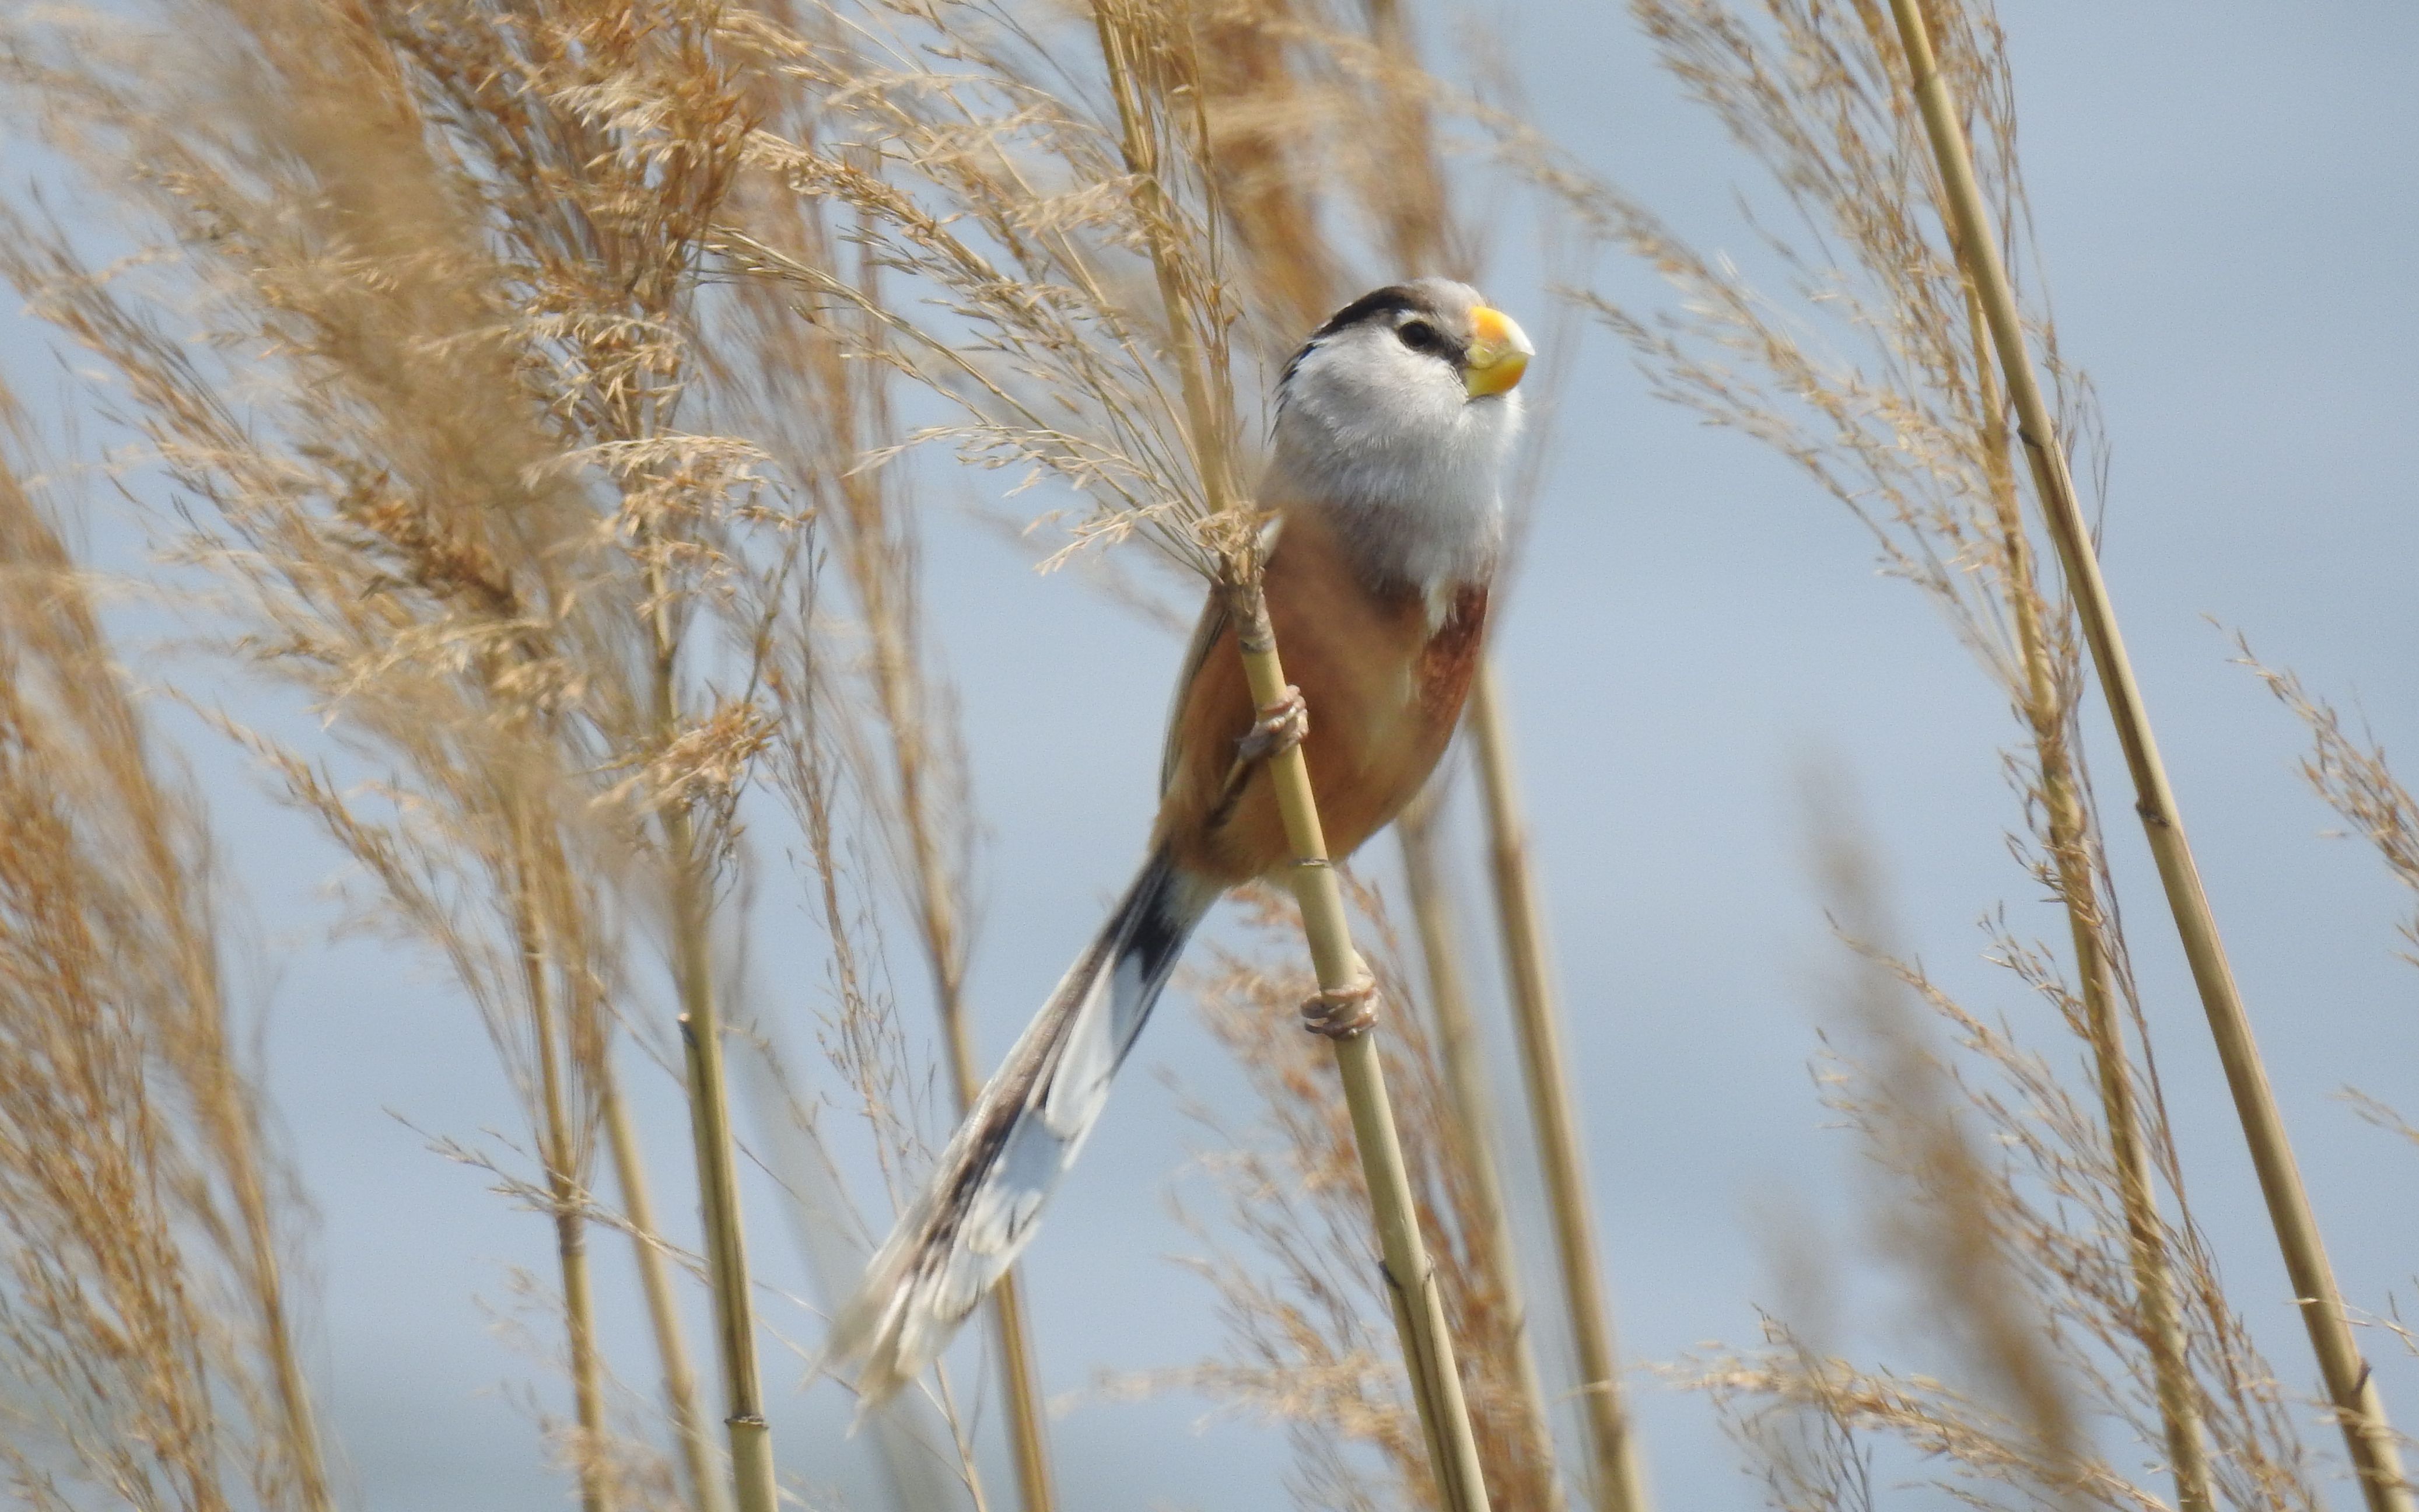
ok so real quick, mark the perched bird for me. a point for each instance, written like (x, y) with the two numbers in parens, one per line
(1392, 425)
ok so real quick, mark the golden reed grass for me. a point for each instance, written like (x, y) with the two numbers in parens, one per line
(452, 508)
(150, 1333)
(2375, 1450)
(1911, 429)
(523, 372)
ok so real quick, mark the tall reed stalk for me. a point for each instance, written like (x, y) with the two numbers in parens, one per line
(1614, 1476)
(1411, 1279)
(707, 1487)
(2075, 873)
(689, 885)
(876, 550)
(1462, 1047)
(558, 1153)
(455, 260)
(2350, 1386)
(1908, 429)
(1418, 1302)
(1412, 201)
(725, 1243)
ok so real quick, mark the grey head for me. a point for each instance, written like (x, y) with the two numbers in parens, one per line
(1395, 420)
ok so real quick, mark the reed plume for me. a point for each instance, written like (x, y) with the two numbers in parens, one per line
(152, 1328)
(819, 411)
(439, 261)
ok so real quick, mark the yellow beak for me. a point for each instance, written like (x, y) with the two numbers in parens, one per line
(1499, 353)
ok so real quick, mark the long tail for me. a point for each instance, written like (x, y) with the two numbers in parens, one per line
(985, 1197)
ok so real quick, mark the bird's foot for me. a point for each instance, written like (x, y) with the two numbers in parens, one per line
(1344, 1013)
(1282, 726)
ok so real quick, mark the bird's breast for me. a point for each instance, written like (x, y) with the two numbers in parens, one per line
(1385, 671)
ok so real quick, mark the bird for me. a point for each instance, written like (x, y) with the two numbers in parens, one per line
(1391, 424)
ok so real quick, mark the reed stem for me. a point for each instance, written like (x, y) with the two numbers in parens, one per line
(717, 1177)
(302, 1431)
(1020, 1384)
(563, 1186)
(706, 1494)
(726, 1245)
(1615, 1479)
(1411, 1279)
(2078, 890)
(1469, 1084)
(2360, 1409)
(225, 1106)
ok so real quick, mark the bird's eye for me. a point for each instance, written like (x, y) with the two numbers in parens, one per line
(1419, 335)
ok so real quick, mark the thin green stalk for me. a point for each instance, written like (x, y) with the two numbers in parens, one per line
(1461, 1049)
(562, 1191)
(2078, 890)
(1615, 1480)
(705, 1487)
(726, 1245)
(1411, 1279)
(2360, 1409)
(717, 1177)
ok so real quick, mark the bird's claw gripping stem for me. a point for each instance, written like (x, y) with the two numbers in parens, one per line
(1344, 1013)
(1282, 725)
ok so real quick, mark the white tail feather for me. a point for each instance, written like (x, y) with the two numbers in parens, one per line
(985, 1197)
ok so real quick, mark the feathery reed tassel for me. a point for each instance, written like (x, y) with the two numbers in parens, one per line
(1461, 1049)
(1418, 1305)
(1615, 1480)
(2350, 1386)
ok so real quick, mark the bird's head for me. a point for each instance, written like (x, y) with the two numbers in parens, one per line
(1397, 414)
(1415, 354)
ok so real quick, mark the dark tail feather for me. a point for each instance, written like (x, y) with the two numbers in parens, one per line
(986, 1194)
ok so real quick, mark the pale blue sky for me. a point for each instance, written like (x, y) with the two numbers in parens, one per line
(2227, 213)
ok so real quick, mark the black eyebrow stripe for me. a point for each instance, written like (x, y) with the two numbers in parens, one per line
(1395, 298)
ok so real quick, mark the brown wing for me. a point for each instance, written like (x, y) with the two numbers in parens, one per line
(1206, 634)
(1384, 686)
